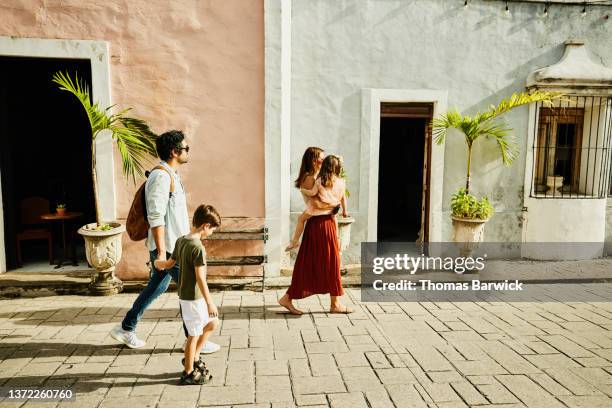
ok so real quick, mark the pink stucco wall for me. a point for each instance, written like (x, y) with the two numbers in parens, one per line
(188, 64)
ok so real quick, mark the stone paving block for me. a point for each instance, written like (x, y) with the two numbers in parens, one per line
(272, 367)
(310, 336)
(470, 350)
(507, 358)
(441, 392)
(326, 347)
(592, 362)
(445, 376)
(396, 376)
(228, 395)
(450, 353)
(468, 393)
(131, 402)
(550, 385)
(360, 379)
(299, 368)
(396, 360)
(351, 359)
(311, 399)
(377, 359)
(322, 364)
(406, 396)
(530, 394)
(180, 395)
(273, 389)
(329, 333)
(587, 401)
(593, 375)
(379, 399)
(318, 385)
(353, 330)
(347, 400)
(255, 354)
(541, 347)
(239, 373)
(485, 367)
(572, 382)
(363, 347)
(551, 361)
(497, 394)
(430, 359)
(566, 346)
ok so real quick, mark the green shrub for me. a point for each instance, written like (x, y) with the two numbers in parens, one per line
(464, 205)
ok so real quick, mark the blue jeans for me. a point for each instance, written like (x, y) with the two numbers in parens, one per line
(158, 284)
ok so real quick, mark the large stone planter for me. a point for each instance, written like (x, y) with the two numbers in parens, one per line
(344, 236)
(103, 251)
(467, 234)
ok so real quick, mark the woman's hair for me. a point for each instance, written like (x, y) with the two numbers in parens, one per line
(206, 214)
(332, 166)
(308, 160)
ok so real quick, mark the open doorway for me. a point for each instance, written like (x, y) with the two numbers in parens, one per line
(46, 153)
(403, 174)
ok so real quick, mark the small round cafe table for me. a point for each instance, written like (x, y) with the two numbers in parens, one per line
(68, 216)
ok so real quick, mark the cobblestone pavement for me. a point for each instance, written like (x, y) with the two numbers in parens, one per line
(485, 354)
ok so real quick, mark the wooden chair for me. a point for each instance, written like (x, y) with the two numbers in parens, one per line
(31, 209)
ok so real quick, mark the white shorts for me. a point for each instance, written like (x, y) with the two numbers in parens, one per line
(195, 315)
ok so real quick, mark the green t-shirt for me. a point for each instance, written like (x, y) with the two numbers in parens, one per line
(189, 253)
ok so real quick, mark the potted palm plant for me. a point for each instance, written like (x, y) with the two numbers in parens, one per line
(469, 214)
(136, 143)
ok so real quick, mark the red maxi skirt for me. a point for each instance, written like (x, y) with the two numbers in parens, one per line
(317, 266)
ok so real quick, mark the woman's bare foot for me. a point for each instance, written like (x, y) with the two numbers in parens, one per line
(287, 304)
(340, 309)
(292, 245)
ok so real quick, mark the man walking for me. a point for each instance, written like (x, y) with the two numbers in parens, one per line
(168, 220)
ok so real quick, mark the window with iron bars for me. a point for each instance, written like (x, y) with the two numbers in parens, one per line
(572, 148)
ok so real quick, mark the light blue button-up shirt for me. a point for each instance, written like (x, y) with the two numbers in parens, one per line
(166, 210)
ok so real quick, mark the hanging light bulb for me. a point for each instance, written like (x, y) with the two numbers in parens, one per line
(465, 3)
(545, 9)
(507, 9)
(584, 9)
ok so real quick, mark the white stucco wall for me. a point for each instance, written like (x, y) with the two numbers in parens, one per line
(479, 55)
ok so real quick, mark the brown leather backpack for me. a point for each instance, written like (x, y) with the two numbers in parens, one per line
(137, 224)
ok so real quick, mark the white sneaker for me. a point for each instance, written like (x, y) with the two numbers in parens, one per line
(210, 347)
(126, 337)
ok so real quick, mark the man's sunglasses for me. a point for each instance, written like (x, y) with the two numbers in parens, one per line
(186, 148)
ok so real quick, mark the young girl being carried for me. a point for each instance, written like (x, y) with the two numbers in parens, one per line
(325, 197)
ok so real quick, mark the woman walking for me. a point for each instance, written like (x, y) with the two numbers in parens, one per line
(317, 266)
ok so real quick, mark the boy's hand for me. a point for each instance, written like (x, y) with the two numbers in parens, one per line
(212, 310)
(344, 214)
(158, 264)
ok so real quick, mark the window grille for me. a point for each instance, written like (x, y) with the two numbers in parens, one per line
(572, 148)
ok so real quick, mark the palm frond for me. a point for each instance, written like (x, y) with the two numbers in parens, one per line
(516, 100)
(508, 148)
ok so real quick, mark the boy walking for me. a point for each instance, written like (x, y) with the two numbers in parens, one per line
(198, 311)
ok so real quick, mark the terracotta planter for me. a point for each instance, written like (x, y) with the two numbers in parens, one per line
(467, 234)
(103, 251)
(344, 235)
(60, 211)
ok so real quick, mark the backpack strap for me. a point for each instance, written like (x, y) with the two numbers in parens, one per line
(160, 167)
